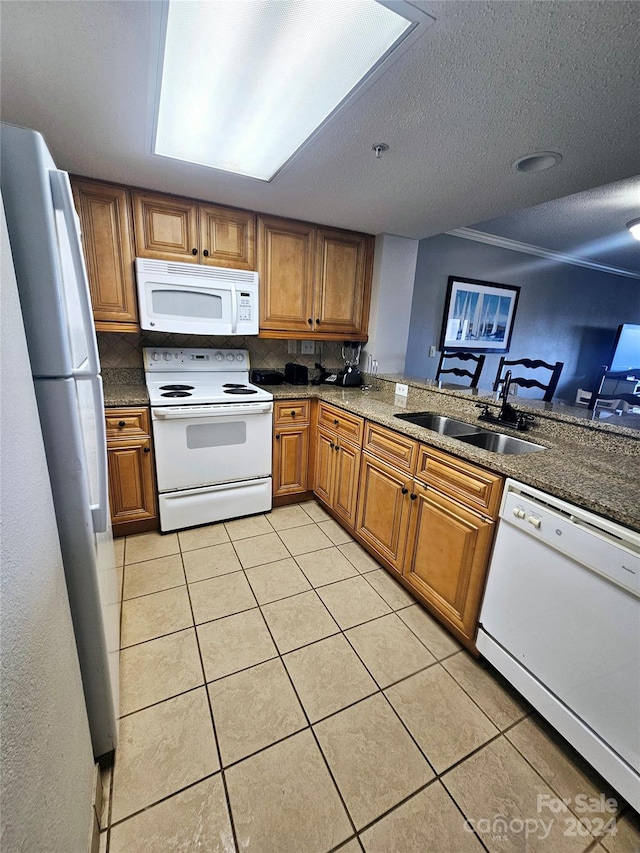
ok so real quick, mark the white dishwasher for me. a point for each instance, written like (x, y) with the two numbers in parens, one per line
(561, 621)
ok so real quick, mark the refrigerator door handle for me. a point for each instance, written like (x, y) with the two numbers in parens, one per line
(100, 512)
(63, 201)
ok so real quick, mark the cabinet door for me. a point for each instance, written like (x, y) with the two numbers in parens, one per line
(166, 228)
(227, 237)
(290, 460)
(131, 488)
(447, 556)
(383, 509)
(107, 243)
(344, 495)
(343, 283)
(324, 464)
(285, 264)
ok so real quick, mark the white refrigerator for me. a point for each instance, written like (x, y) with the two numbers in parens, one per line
(56, 308)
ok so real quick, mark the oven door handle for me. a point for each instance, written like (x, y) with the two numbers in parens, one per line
(190, 412)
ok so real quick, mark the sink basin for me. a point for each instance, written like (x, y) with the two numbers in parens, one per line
(498, 443)
(440, 423)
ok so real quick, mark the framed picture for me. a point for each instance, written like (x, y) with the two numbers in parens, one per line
(478, 315)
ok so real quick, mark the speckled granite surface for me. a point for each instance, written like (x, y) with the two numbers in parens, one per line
(596, 466)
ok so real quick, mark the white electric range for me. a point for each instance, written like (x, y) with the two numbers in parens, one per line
(212, 433)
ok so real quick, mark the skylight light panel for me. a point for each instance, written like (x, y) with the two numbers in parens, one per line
(246, 82)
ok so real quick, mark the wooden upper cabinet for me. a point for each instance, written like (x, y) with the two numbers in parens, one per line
(285, 264)
(315, 282)
(176, 229)
(107, 242)
(343, 282)
(166, 228)
(227, 237)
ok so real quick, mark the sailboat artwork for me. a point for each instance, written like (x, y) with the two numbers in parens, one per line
(478, 315)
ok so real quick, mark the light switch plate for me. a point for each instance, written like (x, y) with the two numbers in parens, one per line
(307, 347)
(292, 347)
(402, 390)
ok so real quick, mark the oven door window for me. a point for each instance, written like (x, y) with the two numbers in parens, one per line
(194, 304)
(216, 434)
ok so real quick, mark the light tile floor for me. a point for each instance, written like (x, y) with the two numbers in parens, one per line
(281, 693)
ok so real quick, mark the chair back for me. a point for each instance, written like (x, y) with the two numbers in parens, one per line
(473, 374)
(525, 382)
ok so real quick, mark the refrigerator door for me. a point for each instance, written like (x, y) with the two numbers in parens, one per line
(89, 562)
(45, 241)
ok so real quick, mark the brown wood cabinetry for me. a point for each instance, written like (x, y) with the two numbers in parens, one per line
(132, 492)
(104, 211)
(315, 282)
(337, 461)
(177, 229)
(291, 447)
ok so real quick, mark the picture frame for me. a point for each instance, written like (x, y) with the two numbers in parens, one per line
(478, 315)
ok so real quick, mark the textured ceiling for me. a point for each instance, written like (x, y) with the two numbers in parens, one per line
(487, 83)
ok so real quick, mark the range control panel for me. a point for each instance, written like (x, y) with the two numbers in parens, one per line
(207, 360)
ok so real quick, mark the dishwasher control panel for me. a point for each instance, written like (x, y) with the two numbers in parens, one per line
(577, 534)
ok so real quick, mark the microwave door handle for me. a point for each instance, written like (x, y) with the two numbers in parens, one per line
(234, 310)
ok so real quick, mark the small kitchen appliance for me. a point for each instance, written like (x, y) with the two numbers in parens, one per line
(296, 374)
(350, 376)
(212, 432)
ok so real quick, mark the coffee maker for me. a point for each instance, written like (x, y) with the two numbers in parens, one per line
(350, 376)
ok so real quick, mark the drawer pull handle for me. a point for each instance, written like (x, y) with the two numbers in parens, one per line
(122, 424)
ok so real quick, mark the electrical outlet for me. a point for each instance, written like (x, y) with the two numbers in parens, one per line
(292, 347)
(432, 352)
(400, 401)
(307, 347)
(402, 390)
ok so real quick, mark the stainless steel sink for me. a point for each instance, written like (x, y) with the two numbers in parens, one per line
(496, 442)
(440, 424)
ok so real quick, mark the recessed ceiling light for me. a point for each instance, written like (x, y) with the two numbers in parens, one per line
(245, 83)
(537, 162)
(634, 227)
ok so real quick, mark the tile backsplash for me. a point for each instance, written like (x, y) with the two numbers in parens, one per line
(125, 350)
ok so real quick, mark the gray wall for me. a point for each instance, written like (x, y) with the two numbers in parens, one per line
(46, 757)
(565, 312)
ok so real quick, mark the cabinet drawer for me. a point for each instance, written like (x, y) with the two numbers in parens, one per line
(390, 446)
(348, 426)
(123, 423)
(469, 484)
(289, 412)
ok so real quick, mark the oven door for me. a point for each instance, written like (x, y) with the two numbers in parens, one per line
(209, 444)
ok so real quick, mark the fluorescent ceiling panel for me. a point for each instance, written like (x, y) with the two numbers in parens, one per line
(246, 82)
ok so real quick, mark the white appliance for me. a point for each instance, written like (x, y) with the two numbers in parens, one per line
(56, 308)
(212, 435)
(195, 299)
(561, 621)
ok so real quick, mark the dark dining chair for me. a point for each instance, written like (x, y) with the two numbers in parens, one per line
(460, 371)
(525, 382)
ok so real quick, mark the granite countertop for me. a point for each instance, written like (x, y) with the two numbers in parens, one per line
(592, 465)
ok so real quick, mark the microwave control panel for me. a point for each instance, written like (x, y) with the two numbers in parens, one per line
(245, 307)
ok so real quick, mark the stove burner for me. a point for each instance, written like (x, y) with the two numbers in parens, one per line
(234, 385)
(176, 387)
(240, 389)
(176, 394)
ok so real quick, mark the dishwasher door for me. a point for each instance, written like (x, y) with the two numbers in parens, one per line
(564, 617)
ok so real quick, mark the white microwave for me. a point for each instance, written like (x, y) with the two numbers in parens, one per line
(196, 300)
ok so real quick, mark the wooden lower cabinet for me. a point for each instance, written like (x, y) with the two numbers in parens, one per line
(291, 447)
(446, 558)
(336, 470)
(132, 489)
(383, 509)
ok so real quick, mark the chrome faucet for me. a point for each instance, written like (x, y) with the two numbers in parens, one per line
(507, 412)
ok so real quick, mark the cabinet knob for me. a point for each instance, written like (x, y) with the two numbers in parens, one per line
(412, 496)
(122, 424)
(405, 491)
(293, 414)
(310, 321)
(336, 421)
(332, 445)
(147, 450)
(194, 251)
(337, 447)
(278, 437)
(206, 253)
(317, 321)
